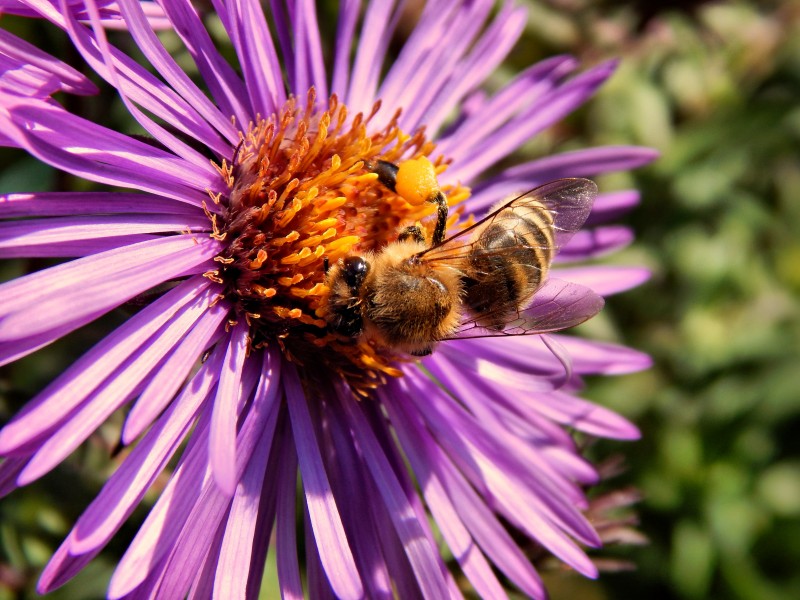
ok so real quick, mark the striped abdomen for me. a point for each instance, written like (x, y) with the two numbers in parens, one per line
(507, 263)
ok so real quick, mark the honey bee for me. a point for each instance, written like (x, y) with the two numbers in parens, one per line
(415, 292)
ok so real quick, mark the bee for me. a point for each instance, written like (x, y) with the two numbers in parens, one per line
(414, 292)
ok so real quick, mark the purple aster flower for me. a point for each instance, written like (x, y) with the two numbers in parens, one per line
(251, 182)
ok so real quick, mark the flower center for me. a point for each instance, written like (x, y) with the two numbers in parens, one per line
(300, 198)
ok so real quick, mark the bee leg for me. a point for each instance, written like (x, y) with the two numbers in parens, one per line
(412, 232)
(440, 201)
(348, 322)
(386, 171)
(422, 351)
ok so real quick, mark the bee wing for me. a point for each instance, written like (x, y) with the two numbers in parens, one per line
(557, 305)
(569, 202)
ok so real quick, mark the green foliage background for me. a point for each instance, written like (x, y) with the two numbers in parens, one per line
(716, 88)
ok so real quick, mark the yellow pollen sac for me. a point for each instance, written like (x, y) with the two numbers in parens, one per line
(416, 180)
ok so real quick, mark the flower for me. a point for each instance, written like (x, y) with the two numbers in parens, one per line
(233, 356)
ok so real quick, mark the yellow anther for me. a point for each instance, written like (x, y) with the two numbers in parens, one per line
(311, 256)
(259, 260)
(331, 204)
(287, 281)
(345, 241)
(325, 224)
(264, 292)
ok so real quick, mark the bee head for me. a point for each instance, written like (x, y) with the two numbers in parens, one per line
(354, 270)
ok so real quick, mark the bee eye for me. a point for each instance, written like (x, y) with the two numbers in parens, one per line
(355, 269)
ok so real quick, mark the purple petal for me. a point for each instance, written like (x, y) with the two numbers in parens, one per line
(171, 375)
(152, 48)
(115, 159)
(488, 532)
(337, 559)
(86, 288)
(512, 409)
(40, 232)
(612, 205)
(403, 577)
(199, 541)
(379, 21)
(431, 68)
(64, 566)
(281, 15)
(203, 584)
(602, 358)
(25, 81)
(470, 161)
(581, 163)
(127, 486)
(194, 549)
(132, 79)
(113, 392)
(455, 534)
(259, 61)
(348, 15)
(309, 64)
(421, 554)
(592, 243)
(318, 585)
(488, 116)
(74, 248)
(584, 416)
(203, 134)
(484, 463)
(108, 10)
(605, 280)
(222, 441)
(69, 390)
(61, 204)
(387, 441)
(607, 206)
(10, 468)
(519, 436)
(69, 79)
(348, 472)
(174, 532)
(483, 59)
(236, 552)
(286, 542)
(266, 517)
(552, 466)
(224, 84)
(469, 355)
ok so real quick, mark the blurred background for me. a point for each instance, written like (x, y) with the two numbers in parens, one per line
(715, 86)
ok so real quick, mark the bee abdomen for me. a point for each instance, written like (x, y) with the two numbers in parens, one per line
(508, 263)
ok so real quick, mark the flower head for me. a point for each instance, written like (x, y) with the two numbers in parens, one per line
(250, 187)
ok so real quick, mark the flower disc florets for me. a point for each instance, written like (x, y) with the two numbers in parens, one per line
(301, 197)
